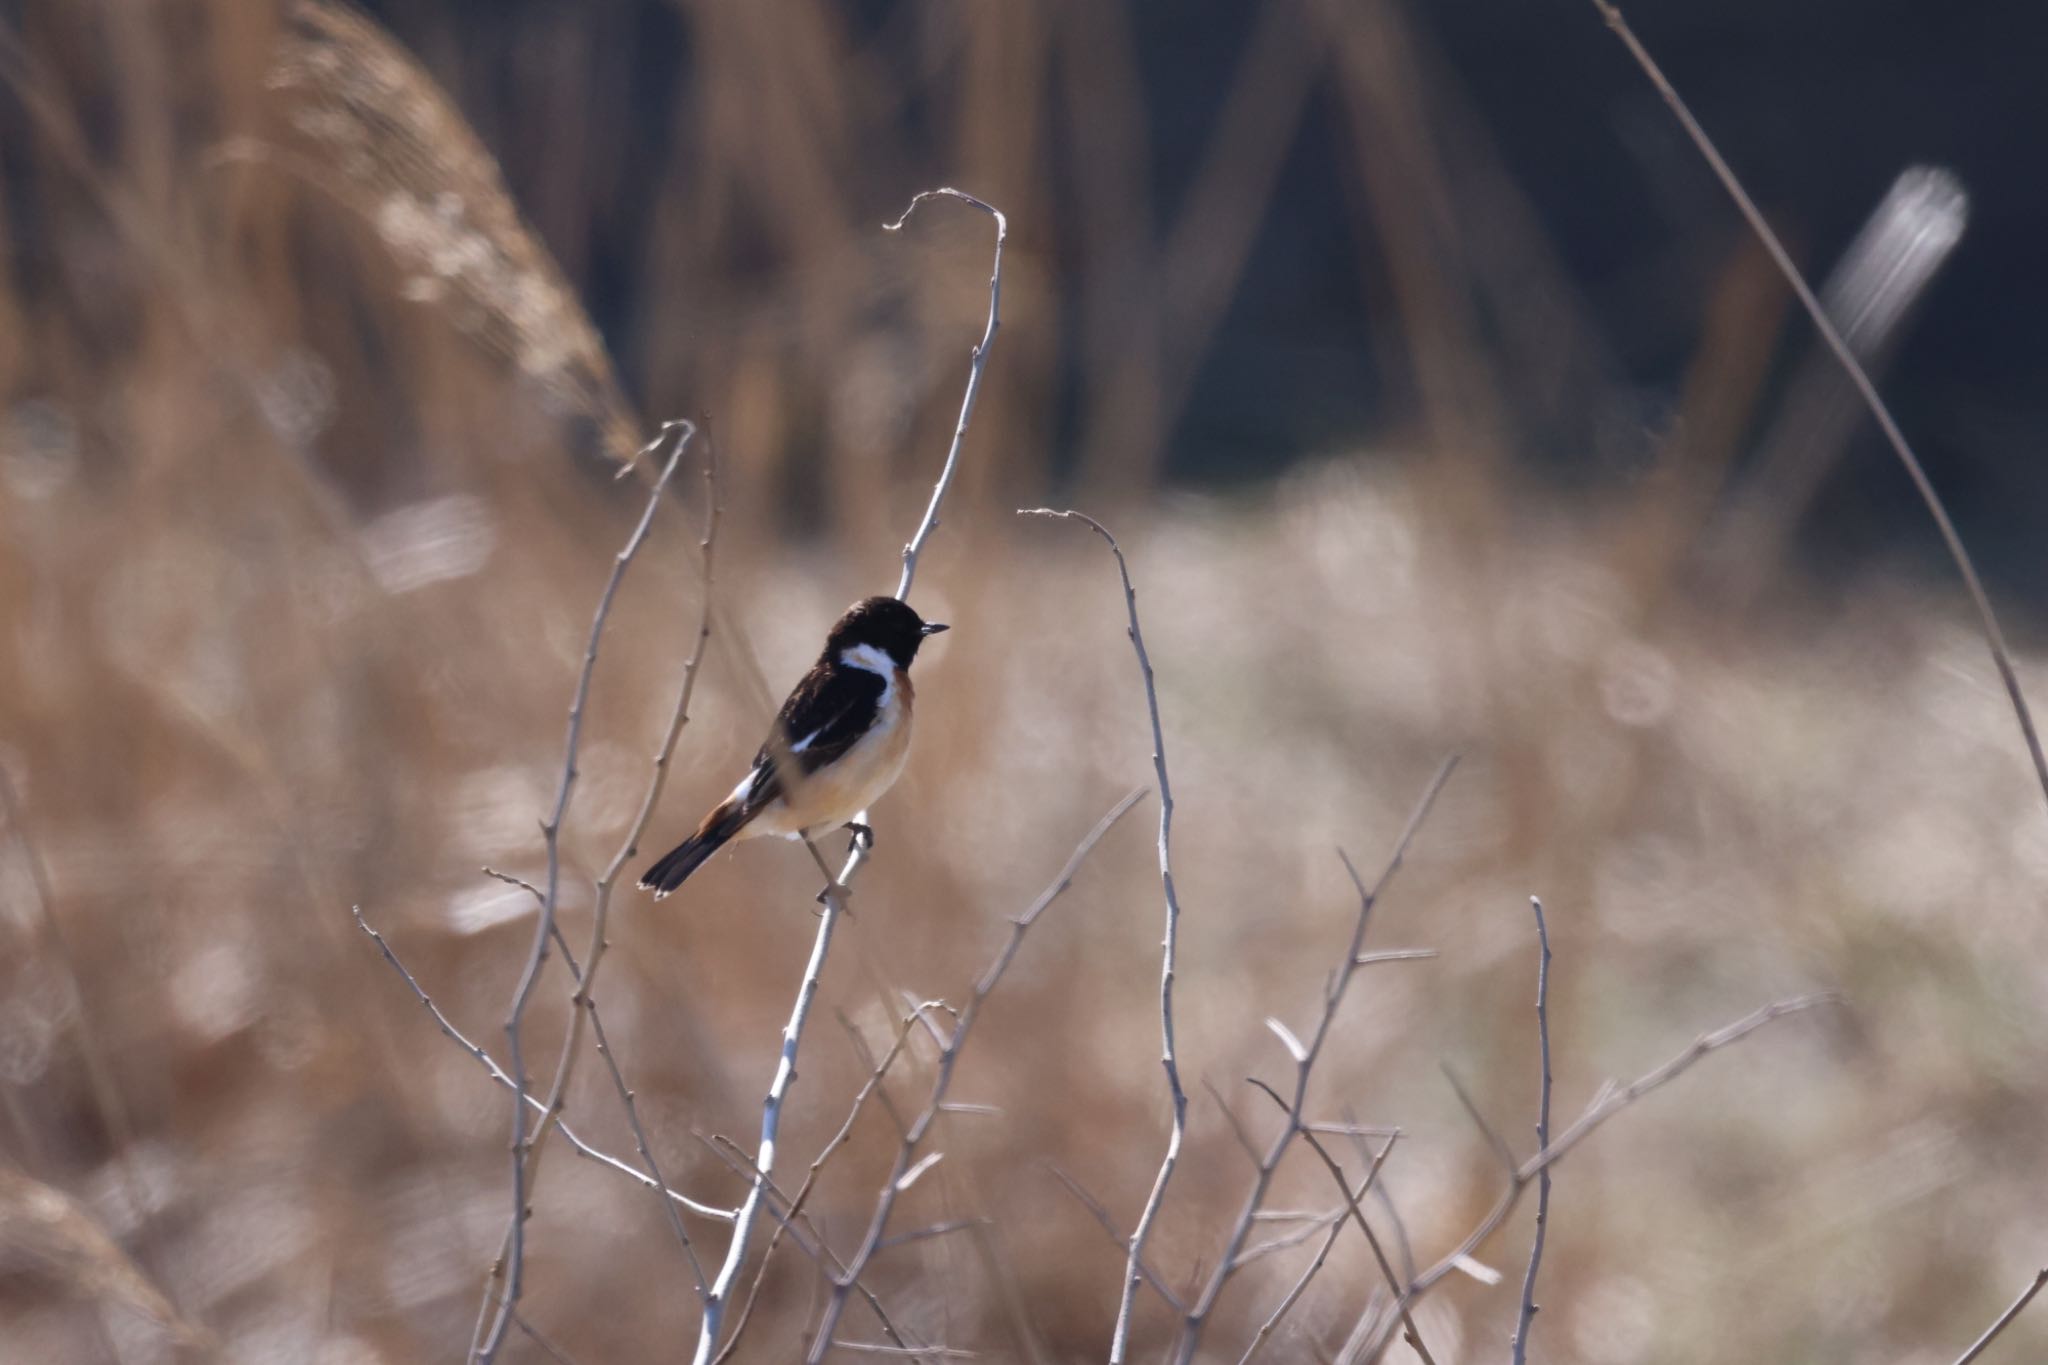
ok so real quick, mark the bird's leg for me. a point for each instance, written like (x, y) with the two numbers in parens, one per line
(862, 834)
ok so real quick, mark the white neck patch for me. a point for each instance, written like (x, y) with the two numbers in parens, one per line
(871, 660)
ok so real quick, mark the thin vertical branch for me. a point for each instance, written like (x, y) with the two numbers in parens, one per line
(1987, 620)
(583, 997)
(1528, 1314)
(585, 992)
(1168, 948)
(1305, 1055)
(509, 1269)
(901, 1173)
(2004, 1319)
(834, 896)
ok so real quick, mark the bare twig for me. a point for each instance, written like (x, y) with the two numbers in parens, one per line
(950, 1226)
(1372, 1240)
(871, 1086)
(877, 1349)
(539, 896)
(532, 1334)
(1394, 955)
(1987, 620)
(1258, 1251)
(1169, 945)
(506, 1281)
(1237, 1129)
(1494, 1140)
(1322, 1254)
(975, 366)
(2004, 1319)
(1609, 1101)
(808, 1237)
(1305, 1055)
(720, 1296)
(583, 1000)
(901, 1173)
(1528, 1313)
(499, 1074)
(1108, 1225)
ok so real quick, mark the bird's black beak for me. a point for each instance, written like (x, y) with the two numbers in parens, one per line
(934, 627)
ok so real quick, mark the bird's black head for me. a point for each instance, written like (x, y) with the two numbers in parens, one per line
(885, 623)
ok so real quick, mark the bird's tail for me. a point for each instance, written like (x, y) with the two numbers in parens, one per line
(675, 866)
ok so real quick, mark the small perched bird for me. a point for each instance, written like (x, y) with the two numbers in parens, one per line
(838, 743)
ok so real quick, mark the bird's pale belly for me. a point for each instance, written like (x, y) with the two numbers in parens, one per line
(840, 791)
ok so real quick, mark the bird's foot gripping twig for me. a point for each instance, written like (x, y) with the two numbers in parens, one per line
(863, 834)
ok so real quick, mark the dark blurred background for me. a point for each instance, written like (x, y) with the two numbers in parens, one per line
(1439, 400)
(1564, 210)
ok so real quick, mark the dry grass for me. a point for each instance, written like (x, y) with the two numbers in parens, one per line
(294, 581)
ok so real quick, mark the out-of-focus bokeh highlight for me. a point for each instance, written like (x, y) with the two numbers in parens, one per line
(319, 347)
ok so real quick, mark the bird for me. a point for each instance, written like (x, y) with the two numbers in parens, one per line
(838, 743)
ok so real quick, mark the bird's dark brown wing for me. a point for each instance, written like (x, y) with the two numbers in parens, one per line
(825, 716)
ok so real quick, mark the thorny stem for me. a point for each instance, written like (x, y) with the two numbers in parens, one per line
(1168, 948)
(509, 1269)
(1528, 1313)
(722, 1287)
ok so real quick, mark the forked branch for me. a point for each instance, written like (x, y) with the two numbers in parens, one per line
(506, 1281)
(902, 1172)
(1305, 1055)
(1605, 1105)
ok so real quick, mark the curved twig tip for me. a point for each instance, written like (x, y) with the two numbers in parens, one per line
(948, 192)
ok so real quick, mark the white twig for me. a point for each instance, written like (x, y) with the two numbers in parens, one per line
(904, 1172)
(508, 1270)
(915, 546)
(871, 1086)
(797, 1224)
(716, 1302)
(1305, 1055)
(1987, 620)
(1168, 948)
(1528, 1314)
(877, 1349)
(2004, 1319)
(1607, 1102)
